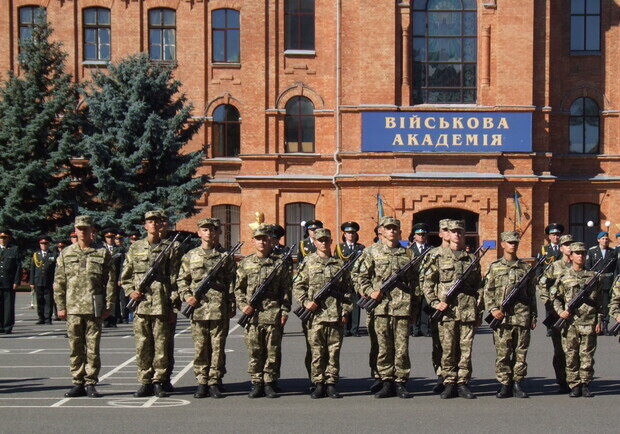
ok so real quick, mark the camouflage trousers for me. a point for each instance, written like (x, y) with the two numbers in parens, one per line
(209, 345)
(325, 339)
(393, 363)
(457, 339)
(436, 351)
(171, 329)
(263, 342)
(151, 333)
(579, 346)
(511, 344)
(84, 333)
(374, 346)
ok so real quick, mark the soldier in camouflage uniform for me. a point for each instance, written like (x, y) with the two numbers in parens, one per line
(512, 337)
(614, 303)
(579, 334)
(263, 332)
(456, 328)
(326, 327)
(84, 280)
(546, 281)
(154, 313)
(395, 311)
(213, 310)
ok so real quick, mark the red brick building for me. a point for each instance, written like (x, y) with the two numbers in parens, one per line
(314, 107)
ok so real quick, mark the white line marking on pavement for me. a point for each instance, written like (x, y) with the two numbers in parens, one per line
(36, 351)
(61, 402)
(118, 368)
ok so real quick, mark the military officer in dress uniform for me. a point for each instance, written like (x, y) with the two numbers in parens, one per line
(553, 253)
(419, 244)
(608, 258)
(10, 276)
(306, 246)
(343, 251)
(42, 279)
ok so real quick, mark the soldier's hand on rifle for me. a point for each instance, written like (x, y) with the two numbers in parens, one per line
(135, 295)
(533, 326)
(62, 314)
(343, 320)
(598, 328)
(566, 314)
(442, 306)
(248, 310)
(192, 301)
(498, 314)
(105, 313)
(283, 320)
(312, 306)
(231, 314)
(376, 295)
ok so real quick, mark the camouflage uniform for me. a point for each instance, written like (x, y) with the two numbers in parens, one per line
(151, 320)
(578, 336)
(614, 303)
(436, 350)
(210, 318)
(325, 328)
(512, 337)
(392, 316)
(263, 332)
(80, 275)
(456, 328)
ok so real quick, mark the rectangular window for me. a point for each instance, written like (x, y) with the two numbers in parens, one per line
(299, 25)
(229, 223)
(162, 34)
(97, 34)
(28, 17)
(585, 25)
(226, 36)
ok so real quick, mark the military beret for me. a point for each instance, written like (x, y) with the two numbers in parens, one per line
(420, 228)
(566, 239)
(209, 221)
(322, 233)
(350, 227)
(510, 236)
(152, 215)
(389, 221)
(5, 233)
(578, 247)
(602, 234)
(554, 228)
(278, 231)
(44, 239)
(263, 230)
(443, 224)
(83, 221)
(456, 224)
(313, 224)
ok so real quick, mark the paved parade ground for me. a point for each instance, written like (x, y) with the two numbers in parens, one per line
(34, 377)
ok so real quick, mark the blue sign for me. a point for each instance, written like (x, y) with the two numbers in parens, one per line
(446, 132)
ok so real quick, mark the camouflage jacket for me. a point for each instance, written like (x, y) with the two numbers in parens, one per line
(614, 303)
(501, 278)
(251, 272)
(216, 304)
(567, 287)
(313, 274)
(158, 299)
(81, 274)
(440, 272)
(377, 263)
(548, 278)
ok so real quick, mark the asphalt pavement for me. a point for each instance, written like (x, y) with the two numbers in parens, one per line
(34, 377)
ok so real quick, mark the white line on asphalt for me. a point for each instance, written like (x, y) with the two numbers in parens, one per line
(118, 368)
(36, 351)
(61, 402)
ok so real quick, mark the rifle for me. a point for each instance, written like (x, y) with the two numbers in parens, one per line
(583, 297)
(261, 289)
(305, 314)
(615, 329)
(149, 277)
(393, 281)
(456, 287)
(208, 281)
(513, 295)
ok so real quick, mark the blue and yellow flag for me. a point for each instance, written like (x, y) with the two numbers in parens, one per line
(517, 208)
(379, 205)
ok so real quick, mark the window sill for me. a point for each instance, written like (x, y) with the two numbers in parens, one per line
(585, 53)
(226, 65)
(300, 53)
(225, 159)
(95, 62)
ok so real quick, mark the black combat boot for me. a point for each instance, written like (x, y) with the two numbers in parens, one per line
(144, 391)
(563, 387)
(91, 391)
(376, 386)
(387, 391)
(464, 391)
(158, 390)
(504, 392)
(201, 391)
(270, 392)
(76, 391)
(167, 385)
(215, 391)
(449, 391)
(439, 387)
(256, 391)
(318, 392)
(518, 391)
(401, 391)
(332, 392)
(585, 391)
(575, 392)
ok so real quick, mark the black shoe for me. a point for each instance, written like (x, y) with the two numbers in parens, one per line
(563, 388)
(518, 391)
(8, 331)
(318, 392)
(201, 391)
(439, 387)
(215, 391)
(585, 391)
(57, 319)
(158, 390)
(428, 334)
(256, 391)
(401, 391)
(575, 392)
(91, 392)
(48, 322)
(347, 334)
(387, 391)
(76, 391)
(464, 391)
(376, 386)
(505, 391)
(168, 387)
(144, 391)
(449, 391)
(40, 322)
(356, 335)
(1, 330)
(270, 391)
(332, 392)
(276, 387)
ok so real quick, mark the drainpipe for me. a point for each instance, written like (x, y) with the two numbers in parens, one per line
(338, 115)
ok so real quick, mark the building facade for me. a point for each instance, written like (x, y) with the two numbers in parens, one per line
(501, 112)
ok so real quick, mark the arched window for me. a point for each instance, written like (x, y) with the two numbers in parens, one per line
(162, 34)
(585, 25)
(299, 25)
(299, 125)
(96, 23)
(229, 220)
(28, 17)
(226, 131)
(226, 31)
(584, 126)
(444, 51)
(294, 214)
(579, 216)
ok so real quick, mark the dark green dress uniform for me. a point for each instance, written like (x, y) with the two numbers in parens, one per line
(10, 274)
(42, 277)
(306, 246)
